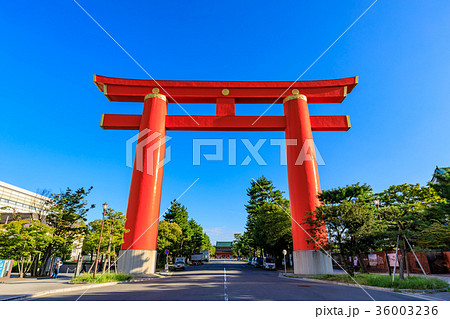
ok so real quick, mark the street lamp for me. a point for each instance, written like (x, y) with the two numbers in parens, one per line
(105, 207)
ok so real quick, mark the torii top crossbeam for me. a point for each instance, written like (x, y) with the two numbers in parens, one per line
(131, 90)
(225, 94)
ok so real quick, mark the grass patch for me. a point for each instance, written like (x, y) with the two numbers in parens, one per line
(377, 280)
(87, 278)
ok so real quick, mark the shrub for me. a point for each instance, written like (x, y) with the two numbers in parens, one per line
(377, 280)
(101, 278)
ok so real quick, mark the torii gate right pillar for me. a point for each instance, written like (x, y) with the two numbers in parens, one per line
(303, 180)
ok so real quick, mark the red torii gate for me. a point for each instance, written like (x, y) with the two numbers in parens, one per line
(138, 254)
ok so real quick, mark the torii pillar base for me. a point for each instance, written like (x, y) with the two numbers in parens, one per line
(311, 262)
(137, 262)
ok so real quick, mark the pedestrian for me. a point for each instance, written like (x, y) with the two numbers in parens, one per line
(52, 271)
(58, 265)
(84, 267)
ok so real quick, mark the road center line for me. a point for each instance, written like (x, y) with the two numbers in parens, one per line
(225, 293)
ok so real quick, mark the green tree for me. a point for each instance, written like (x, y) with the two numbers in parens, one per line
(169, 237)
(112, 237)
(261, 191)
(196, 240)
(67, 218)
(178, 214)
(192, 238)
(23, 241)
(242, 245)
(273, 228)
(206, 243)
(435, 236)
(351, 222)
(406, 210)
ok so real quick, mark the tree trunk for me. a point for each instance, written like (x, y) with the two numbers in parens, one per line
(29, 264)
(406, 261)
(402, 264)
(387, 263)
(362, 264)
(20, 267)
(45, 260)
(34, 269)
(90, 268)
(345, 262)
(104, 263)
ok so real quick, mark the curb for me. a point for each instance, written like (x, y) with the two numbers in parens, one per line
(410, 292)
(79, 287)
(338, 283)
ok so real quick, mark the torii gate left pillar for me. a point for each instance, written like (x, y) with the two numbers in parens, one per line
(138, 254)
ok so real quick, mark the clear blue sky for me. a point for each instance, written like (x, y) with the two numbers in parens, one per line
(50, 136)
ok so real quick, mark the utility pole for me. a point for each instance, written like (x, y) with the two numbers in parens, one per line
(111, 234)
(105, 207)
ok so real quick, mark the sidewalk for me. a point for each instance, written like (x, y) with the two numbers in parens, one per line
(22, 288)
(15, 287)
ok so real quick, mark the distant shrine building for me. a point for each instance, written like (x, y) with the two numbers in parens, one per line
(224, 249)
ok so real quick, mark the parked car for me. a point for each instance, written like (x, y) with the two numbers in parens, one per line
(180, 259)
(258, 262)
(269, 263)
(179, 265)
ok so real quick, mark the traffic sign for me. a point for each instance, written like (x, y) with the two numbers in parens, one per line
(166, 251)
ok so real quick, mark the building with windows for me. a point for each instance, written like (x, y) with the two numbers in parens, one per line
(18, 203)
(224, 249)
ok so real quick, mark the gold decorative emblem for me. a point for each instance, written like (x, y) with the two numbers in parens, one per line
(155, 90)
(295, 91)
(294, 97)
(225, 91)
(155, 95)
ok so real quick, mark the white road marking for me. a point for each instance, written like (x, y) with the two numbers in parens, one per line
(225, 293)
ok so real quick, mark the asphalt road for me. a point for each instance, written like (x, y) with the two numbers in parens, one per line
(229, 280)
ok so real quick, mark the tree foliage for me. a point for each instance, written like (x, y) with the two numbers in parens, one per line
(112, 236)
(67, 217)
(351, 222)
(268, 228)
(23, 241)
(407, 212)
(190, 239)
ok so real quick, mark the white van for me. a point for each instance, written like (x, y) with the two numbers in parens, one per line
(269, 263)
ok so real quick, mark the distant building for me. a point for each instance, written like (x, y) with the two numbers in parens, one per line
(224, 249)
(19, 204)
(438, 171)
